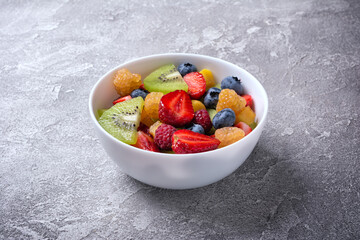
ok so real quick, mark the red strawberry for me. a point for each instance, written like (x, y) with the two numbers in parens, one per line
(144, 128)
(249, 101)
(142, 87)
(122, 99)
(186, 141)
(246, 128)
(146, 142)
(202, 117)
(176, 109)
(163, 135)
(196, 83)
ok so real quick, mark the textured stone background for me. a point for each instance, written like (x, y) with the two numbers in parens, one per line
(302, 180)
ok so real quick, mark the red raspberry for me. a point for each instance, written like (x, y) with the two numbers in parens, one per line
(163, 135)
(202, 117)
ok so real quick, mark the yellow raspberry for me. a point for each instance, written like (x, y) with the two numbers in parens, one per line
(151, 105)
(228, 98)
(197, 105)
(209, 78)
(125, 82)
(229, 135)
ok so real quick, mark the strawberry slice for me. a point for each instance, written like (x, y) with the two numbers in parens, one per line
(146, 142)
(122, 99)
(142, 87)
(186, 141)
(246, 128)
(196, 83)
(176, 109)
(249, 101)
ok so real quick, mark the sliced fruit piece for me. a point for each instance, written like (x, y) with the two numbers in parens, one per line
(186, 141)
(247, 116)
(176, 109)
(122, 99)
(212, 113)
(165, 79)
(196, 83)
(125, 82)
(197, 105)
(123, 119)
(229, 135)
(145, 119)
(218, 85)
(253, 125)
(151, 105)
(144, 128)
(246, 128)
(209, 78)
(248, 99)
(154, 127)
(100, 112)
(146, 142)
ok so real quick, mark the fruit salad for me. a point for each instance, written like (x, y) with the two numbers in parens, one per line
(178, 110)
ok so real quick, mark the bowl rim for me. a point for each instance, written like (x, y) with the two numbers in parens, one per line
(180, 156)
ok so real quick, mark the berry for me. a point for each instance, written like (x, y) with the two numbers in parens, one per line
(246, 128)
(248, 99)
(197, 105)
(212, 97)
(139, 92)
(175, 108)
(196, 84)
(186, 68)
(154, 127)
(232, 83)
(229, 135)
(186, 141)
(229, 99)
(144, 141)
(163, 136)
(202, 117)
(247, 116)
(224, 118)
(125, 82)
(122, 99)
(209, 78)
(196, 128)
(151, 105)
(142, 87)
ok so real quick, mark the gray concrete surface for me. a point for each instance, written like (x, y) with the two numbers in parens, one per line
(302, 180)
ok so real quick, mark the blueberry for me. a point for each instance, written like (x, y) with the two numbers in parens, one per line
(139, 92)
(186, 68)
(196, 128)
(232, 83)
(212, 97)
(224, 118)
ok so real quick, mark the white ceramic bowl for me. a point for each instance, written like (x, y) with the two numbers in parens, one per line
(178, 171)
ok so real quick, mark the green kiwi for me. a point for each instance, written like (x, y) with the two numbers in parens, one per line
(165, 79)
(253, 125)
(212, 113)
(100, 112)
(123, 119)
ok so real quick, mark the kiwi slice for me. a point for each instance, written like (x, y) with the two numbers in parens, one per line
(123, 119)
(212, 113)
(100, 112)
(165, 79)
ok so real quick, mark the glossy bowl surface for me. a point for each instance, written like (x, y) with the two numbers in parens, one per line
(178, 171)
